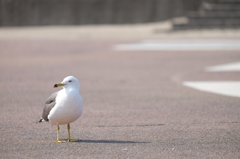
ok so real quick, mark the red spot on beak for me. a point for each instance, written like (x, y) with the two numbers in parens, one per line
(55, 86)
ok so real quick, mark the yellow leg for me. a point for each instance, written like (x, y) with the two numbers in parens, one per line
(69, 137)
(58, 128)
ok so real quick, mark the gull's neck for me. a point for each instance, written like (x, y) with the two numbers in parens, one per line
(70, 89)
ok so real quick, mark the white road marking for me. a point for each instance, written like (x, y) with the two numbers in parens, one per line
(228, 88)
(181, 45)
(226, 67)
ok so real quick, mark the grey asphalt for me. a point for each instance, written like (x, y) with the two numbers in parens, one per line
(135, 105)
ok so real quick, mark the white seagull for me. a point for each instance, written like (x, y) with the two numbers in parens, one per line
(65, 106)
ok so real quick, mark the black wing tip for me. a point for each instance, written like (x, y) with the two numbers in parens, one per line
(41, 120)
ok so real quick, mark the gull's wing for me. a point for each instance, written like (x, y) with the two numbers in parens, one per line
(50, 103)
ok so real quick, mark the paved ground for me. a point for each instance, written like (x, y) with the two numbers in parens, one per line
(135, 103)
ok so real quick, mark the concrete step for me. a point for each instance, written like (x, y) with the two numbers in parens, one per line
(221, 6)
(191, 26)
(207, 23)
(214, 14)
(228, 1)
(215, 21)
(224, 14)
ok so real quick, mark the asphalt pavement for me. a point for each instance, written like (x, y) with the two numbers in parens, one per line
(135, 102)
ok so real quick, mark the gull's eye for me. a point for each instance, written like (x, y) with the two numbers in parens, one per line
(70, 81)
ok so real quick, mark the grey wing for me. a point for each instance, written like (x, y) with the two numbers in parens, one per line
(50, 103)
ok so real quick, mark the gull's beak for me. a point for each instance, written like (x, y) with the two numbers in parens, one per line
(58, 85)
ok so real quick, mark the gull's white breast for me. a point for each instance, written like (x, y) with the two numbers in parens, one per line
(68, 107)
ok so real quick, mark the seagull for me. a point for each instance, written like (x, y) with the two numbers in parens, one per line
(64, 106)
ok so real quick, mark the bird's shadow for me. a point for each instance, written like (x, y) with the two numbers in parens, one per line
(107, 141)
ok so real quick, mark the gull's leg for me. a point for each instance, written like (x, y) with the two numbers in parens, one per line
(58, 128)
(69, 137)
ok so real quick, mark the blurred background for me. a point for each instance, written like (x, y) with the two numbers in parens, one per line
(185, 14)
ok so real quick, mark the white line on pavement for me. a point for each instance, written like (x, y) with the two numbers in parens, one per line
(181, 45)
(228, 88)
(225, 67)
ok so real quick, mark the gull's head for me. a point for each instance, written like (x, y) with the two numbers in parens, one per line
(69, 82)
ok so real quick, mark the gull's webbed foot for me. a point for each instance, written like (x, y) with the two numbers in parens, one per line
(70, 140)
(59, 141)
